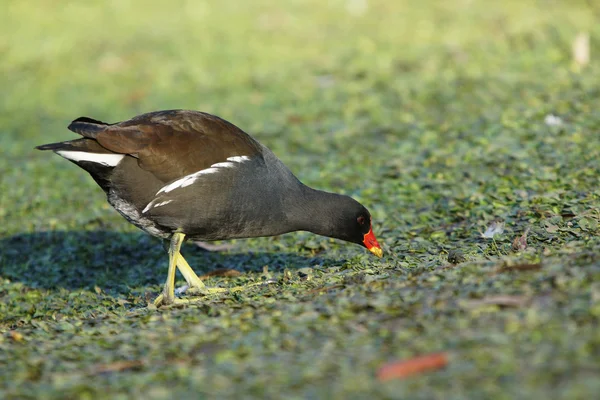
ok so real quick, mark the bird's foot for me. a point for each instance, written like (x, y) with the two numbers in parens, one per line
(199, 294)
(201, 291)
(161, 302)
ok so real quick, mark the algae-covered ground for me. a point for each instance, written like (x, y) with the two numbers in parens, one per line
(468, 129)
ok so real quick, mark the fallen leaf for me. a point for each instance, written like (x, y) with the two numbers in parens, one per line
(417, 365)
(495, 228)
(553, 120)
(117, 366)
(520, 267)
(295, 119)
(16, 336)
(223, 272)
(520, 242)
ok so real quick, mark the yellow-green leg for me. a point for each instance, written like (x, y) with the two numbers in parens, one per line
(196, 286)
(189, 275)
(168, 295)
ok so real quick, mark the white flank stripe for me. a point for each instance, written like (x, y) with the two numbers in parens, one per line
(152, 205)
(238, 159)
(162, 203)
(191, 178)
(110, 160)
(148, 206)
(186, 180)
(225, 164)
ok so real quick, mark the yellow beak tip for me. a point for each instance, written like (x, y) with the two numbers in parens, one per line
(377, 251)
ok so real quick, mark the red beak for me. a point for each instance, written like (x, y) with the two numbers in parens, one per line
(371, 244)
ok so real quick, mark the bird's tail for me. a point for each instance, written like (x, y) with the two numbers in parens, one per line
(87, 127)
(89, 155)
(84, 152)
(83, 144)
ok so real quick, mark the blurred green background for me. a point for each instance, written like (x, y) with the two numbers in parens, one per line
(441, 116)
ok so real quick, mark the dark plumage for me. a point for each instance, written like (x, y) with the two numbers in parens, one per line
(178, 174)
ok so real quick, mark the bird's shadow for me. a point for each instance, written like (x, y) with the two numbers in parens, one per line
(117, 262)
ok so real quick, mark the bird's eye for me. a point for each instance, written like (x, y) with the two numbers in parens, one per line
(361, 220)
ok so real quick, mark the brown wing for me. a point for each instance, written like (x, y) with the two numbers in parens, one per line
(172, 144)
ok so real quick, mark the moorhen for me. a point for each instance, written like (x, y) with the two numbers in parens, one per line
(181, 174)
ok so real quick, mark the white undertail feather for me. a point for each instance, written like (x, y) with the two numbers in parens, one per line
(109, 160)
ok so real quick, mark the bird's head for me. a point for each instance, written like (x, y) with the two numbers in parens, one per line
(356, 224)
(365, 235)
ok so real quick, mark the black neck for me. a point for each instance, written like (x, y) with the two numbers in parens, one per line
(320, 212)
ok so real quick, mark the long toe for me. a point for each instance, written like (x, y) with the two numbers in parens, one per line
(204, 291)
(193, 295)
(158, 301)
